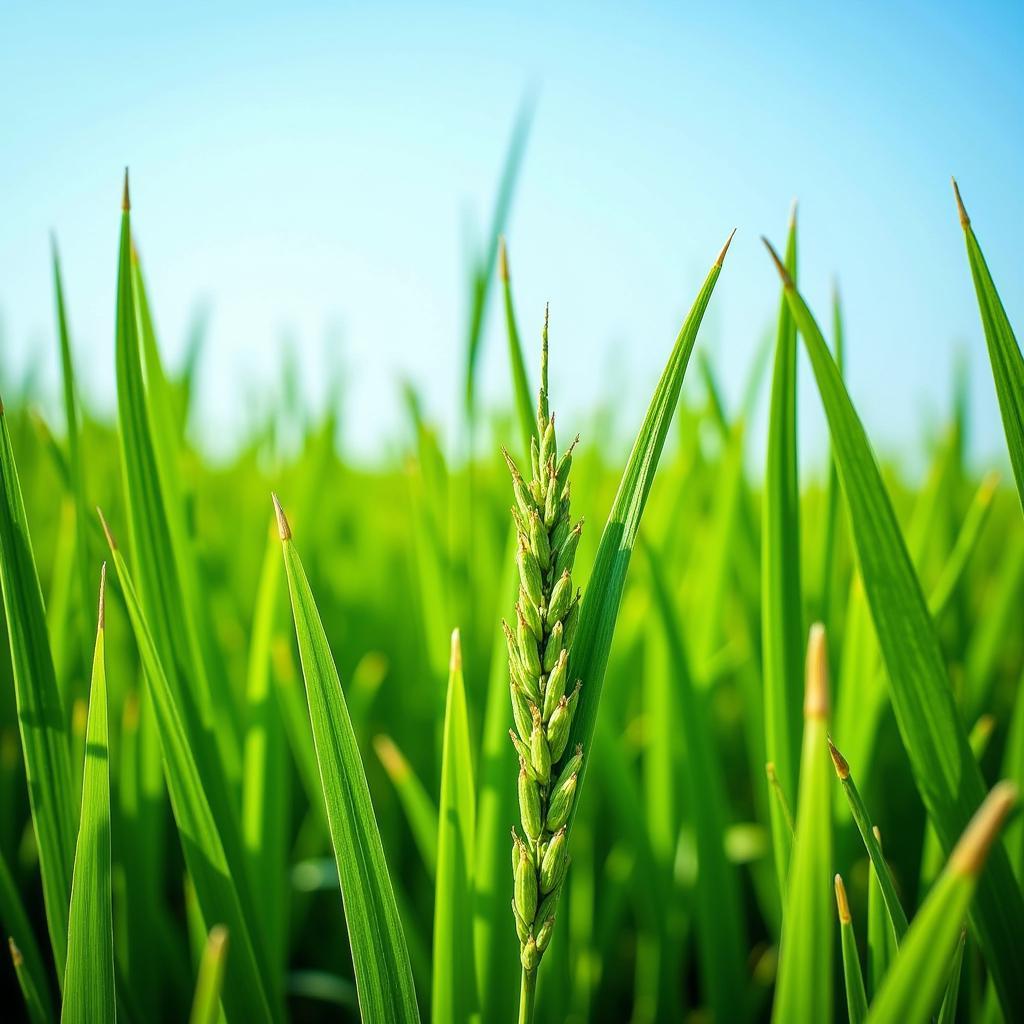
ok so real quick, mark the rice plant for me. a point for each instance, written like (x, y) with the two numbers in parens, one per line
(768, 770)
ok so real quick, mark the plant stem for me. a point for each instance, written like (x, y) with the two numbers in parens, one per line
(527, 995)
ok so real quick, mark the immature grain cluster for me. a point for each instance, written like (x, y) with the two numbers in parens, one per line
(543, 702)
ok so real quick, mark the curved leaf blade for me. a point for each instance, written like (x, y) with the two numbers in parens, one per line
(453, 993)
(89, 993)
(945, 770)
(379, 954)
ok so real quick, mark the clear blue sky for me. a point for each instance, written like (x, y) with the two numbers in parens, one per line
(313, 172)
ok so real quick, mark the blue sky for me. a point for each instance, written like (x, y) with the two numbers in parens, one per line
(315, 173)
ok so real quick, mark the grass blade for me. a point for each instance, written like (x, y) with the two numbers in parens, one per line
(946, 774)
(897, 917)
(453, 993)
(41, 721)
(915, 983)
(803, 989)
(882, 943)
(517, 365)
(89, 993)
(37, 1011)
(947, 1012)
(721, 943)
(781, 615)
(1003, 351)
(22, 939)
(853, 979)
(604, 591)
(379, 954)
(76, 471)
(420, 810)
(210, 982)
(199, 825)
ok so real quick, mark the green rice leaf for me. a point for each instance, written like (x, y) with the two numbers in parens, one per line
(36, 987)
(483, 271)
(496, 945)
(721, 946)
(1003, 351)
(89, 993)
(915, 983)
(453, 993)
(803, 989)
(947, 1012)
(41, 720)
(781, 614)
(601, 602)
(37, 1010)
(200, 826)
(517, 365)
(420, 809)
(265, 778)
(76, 473)
(897, 918)
(210, 982)
(379, 954)
(945, 771)
(853, 979)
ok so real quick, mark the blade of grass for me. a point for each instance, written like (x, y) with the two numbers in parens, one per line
(914, 985)
(265, 778)
(37, 1012)
(721, 945)
(946, 774)
(211, 683)
(964, 547)
(199, 825)
(41, 721)
(483, 272)
(781, 614)
(947, 1012)
(453, 992)
(379, 954)
(604, 591)
(22, 938)
(210, 981)
(803, 988)
(89, 993)
(853, 979)
(882, 944)
(517, 365)
(76, 470)
(496, 945)
(420, 810)
(897, 916)
(1003, 351)
(828, 556)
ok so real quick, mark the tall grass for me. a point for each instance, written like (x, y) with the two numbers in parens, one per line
(282, 788)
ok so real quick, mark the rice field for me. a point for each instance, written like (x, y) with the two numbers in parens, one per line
(283, 737)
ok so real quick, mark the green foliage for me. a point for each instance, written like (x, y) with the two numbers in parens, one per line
(353, 840)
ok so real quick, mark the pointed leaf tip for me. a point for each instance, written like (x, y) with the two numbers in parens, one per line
(502, 259)
(725, 249)
(816, 688)
(787, 281)
(968, 856)
(16, 957)
(283, 529)
(792, 213)
(840, 763)
(842, 904)
(126, 203)
(965, 221)
(111, 543)
(455, 661)
(102, 614)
